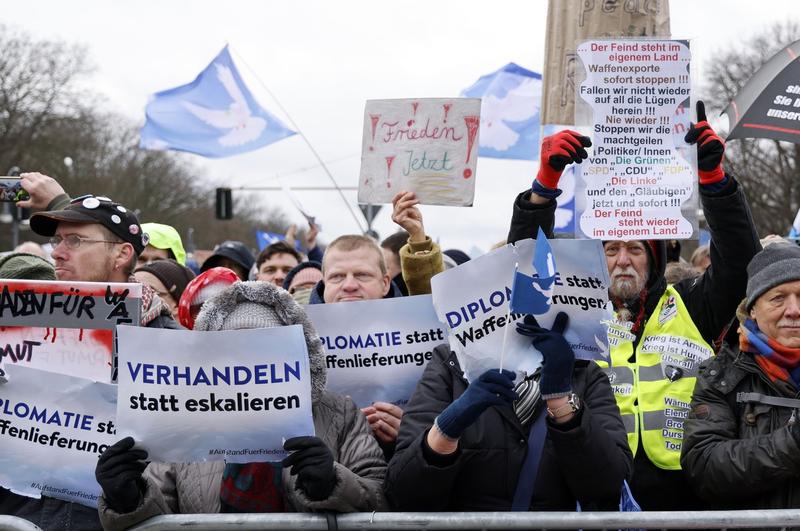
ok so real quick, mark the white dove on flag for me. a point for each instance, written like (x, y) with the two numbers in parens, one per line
(237, 118)
(519, 104)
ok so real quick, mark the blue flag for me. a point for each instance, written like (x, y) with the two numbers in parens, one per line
(264, 238)
(532, 294)
(510, 104)
(213, 116)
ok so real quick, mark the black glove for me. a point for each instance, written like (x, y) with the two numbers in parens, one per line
(312, 462)
(492, 388)
(710, 148)
(558, 357)
(119, 473)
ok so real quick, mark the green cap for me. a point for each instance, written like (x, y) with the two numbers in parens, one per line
(165, 237)
(24, 266)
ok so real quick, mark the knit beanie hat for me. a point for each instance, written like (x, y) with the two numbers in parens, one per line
(303, 273)
(26, 266)
(263, 305)
(173, 275)
(773, 266)
(166, 237)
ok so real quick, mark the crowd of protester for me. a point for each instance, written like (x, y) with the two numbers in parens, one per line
(573, 435)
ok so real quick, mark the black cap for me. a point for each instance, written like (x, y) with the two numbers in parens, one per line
(90, 209)
(233, 250)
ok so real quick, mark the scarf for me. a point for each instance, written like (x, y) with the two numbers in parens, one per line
(779, 363)
(252, 488)
(152, 305)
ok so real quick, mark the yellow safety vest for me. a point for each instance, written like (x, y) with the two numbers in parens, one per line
(653, 392)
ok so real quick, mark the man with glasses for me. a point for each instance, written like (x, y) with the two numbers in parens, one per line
(97, 240)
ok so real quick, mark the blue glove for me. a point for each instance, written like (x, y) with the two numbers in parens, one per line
(492, 388)
(558, 358)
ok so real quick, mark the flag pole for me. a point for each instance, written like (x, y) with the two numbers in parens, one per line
(305, 139)
(505, 331)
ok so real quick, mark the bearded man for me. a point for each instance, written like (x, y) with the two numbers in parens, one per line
(662, 332)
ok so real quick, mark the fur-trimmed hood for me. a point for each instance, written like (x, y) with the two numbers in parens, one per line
(215, 310)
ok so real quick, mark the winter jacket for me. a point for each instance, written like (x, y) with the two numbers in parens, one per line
(741, 454)
(585, 459)
(710, 299)
(193, 488)
(420, 261)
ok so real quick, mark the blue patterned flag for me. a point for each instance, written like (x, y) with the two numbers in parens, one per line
(509, 112)
(214, 116)
(532, 294)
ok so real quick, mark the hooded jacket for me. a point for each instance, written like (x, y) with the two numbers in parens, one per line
(358, 461)
(710, 299)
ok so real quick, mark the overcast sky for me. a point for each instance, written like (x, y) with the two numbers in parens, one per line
(322, 59)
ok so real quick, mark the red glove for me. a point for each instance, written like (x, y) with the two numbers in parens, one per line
(710, 148)
(557, 151)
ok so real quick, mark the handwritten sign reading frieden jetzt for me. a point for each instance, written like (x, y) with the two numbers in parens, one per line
(65, 327)
(428, 146)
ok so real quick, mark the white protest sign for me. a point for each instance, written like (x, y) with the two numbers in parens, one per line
(639, 182)
(235, 395)
(376, 350)
(65, 327)
(472, 300)
(53, 428)
(428, 146)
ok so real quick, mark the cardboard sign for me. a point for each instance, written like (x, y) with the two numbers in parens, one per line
(472, 301)
(377, 350)
(639, 183)
(207, 396)
(427, 146)
(53, 428)
(65, 327)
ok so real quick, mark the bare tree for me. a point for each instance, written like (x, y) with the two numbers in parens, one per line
(768, 170)
(46, 115)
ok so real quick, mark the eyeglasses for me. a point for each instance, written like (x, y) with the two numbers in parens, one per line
(73, 241)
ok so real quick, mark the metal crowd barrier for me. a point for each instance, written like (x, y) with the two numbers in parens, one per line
(773, 518)
(12, 523)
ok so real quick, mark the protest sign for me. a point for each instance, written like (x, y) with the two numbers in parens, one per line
(640, 180)
(207, 396)
(53, 428)
(472, 300)
(573, 21)
(428, 146)
(377, 350)
(65, 327)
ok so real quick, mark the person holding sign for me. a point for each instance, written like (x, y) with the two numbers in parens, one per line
(662, 332)
(490, 445)
(420, 257)
(341, 469)
(94, 239)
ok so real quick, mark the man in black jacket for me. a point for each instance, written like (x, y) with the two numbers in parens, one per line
(653, 386)
(742, 446)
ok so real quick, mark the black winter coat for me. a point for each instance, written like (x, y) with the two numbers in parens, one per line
(585, 459)
(741, 455)
(711, 300)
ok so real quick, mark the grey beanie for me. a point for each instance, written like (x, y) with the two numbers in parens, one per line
(24, 266)
(771, 267)
(263, 305)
